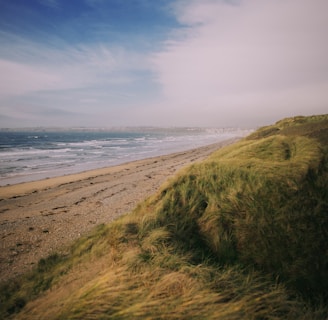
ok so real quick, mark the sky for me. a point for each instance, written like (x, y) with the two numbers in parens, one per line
(204, 63)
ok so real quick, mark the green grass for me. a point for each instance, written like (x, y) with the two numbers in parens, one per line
(242, 235)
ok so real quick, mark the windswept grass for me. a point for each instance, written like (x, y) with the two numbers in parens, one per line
(242, 235)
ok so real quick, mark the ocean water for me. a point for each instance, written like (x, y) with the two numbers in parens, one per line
(38, 154)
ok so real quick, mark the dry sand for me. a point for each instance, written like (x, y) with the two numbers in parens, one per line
(42, 217)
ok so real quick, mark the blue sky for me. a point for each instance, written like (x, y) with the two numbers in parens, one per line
(161, 62)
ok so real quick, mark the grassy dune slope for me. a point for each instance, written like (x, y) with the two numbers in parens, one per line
(243, 235)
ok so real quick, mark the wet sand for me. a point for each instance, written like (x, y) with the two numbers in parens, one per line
(42, 217)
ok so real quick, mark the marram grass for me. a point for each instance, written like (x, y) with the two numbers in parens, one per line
(242, 235)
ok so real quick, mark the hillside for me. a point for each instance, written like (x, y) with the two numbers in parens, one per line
(242, 235)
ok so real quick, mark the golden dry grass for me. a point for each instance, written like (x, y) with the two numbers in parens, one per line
(241, 235)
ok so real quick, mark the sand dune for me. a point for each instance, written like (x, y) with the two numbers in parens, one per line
(41, 217)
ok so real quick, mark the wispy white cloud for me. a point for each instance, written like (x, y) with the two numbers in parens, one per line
(19, 78)
(36, 68)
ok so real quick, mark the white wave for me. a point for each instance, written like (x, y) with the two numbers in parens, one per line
(70, 157)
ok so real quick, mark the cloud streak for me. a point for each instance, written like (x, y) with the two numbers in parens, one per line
(41, 68)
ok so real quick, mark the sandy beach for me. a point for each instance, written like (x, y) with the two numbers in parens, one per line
(42, 217)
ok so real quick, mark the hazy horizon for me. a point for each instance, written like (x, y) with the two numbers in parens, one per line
(164, 63)
(122, 128)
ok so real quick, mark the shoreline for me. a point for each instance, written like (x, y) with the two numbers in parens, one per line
(42, 217)
(10, 190)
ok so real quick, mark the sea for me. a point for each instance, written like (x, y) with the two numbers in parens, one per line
(29, 155)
